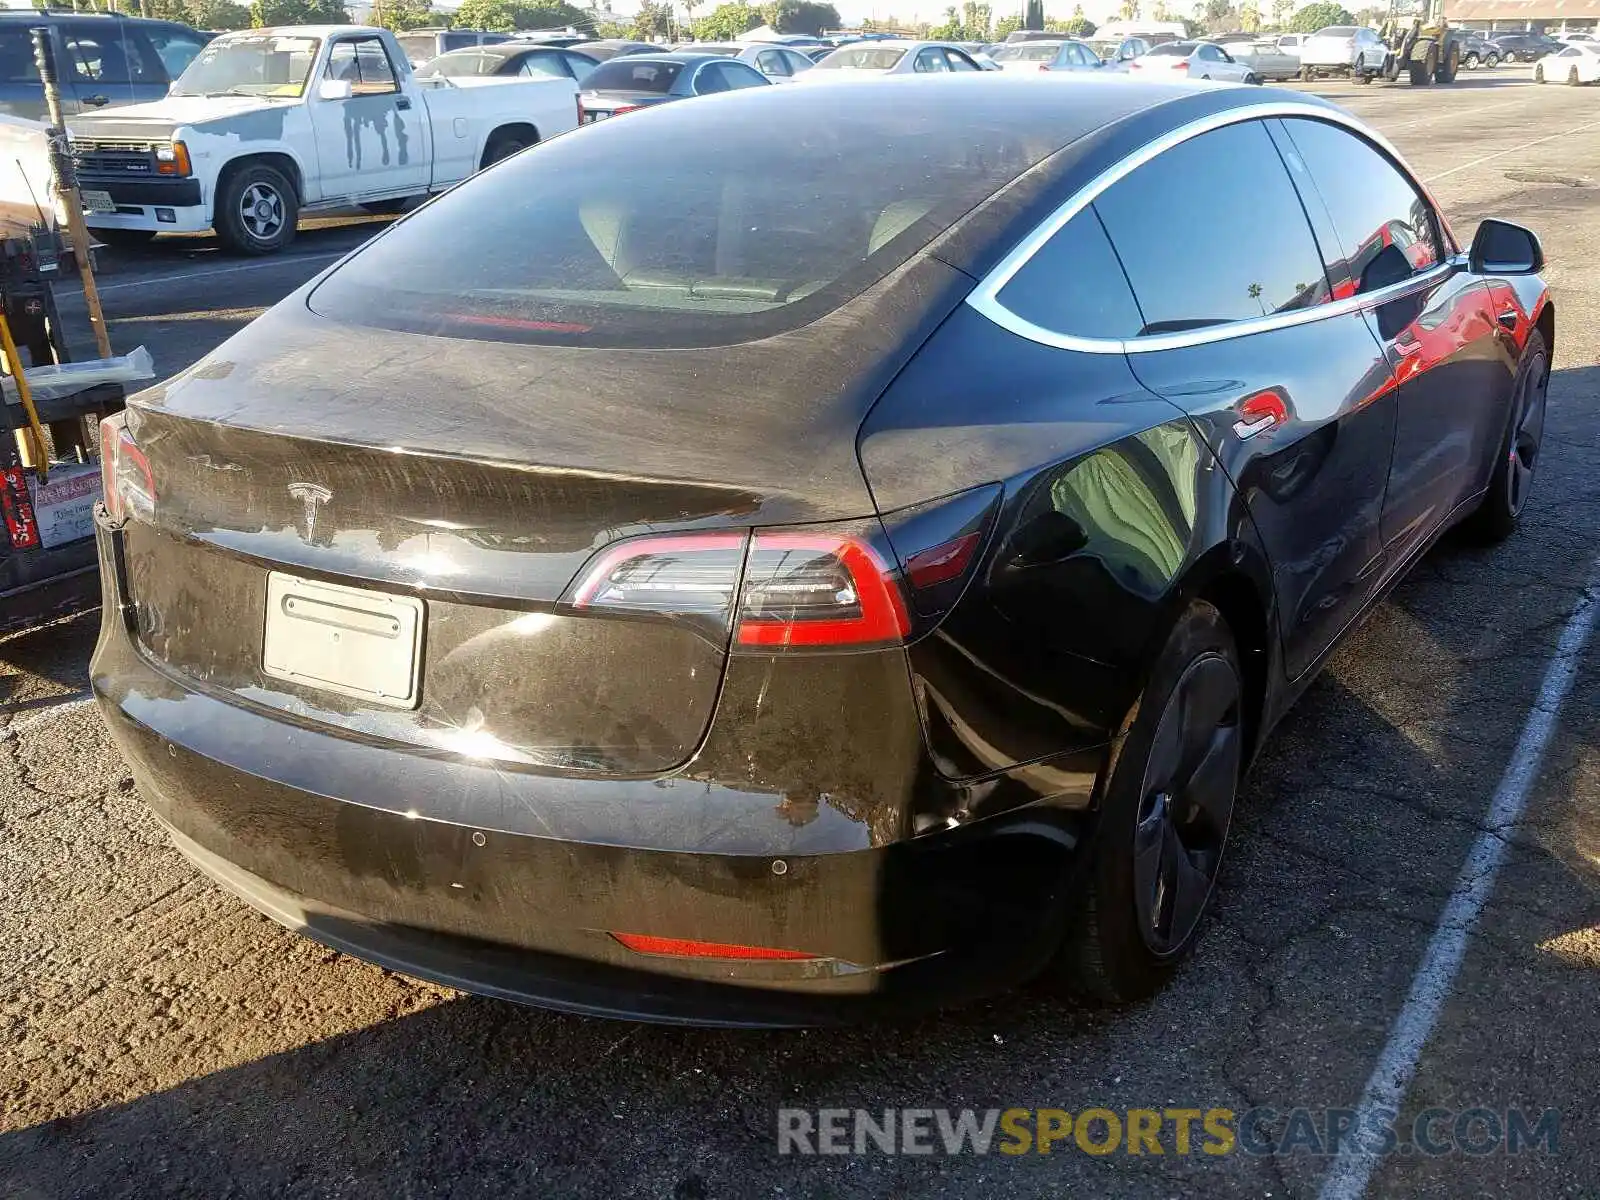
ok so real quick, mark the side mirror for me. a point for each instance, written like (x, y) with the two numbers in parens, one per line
(1501, 248)
(335, 89)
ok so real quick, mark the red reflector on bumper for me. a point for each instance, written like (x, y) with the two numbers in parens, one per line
(683, 948)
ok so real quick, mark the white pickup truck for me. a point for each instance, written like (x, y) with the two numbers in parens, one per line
(268, 123)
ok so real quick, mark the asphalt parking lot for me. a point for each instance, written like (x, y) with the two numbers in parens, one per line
(158, 1037)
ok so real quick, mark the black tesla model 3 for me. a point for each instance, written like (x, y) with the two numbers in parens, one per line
(807, 551)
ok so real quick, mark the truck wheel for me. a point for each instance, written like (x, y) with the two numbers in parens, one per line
(257, 210)
(1471, 61)
(1450, 67)
(1492, 61)
(504, 145)
(123, 238)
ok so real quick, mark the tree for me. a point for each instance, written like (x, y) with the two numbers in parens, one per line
(1077, 25)
(611, 29)
(1250, 16)
(1005, 26)
(218, 14)
(1320, 15)
(951, 30)
(977, 18)
(1129, 10)
(727, 22)
(801, 16)
(653, 21)
(400, 15)
(1280, 12)
(1163, 12)
(265, 13)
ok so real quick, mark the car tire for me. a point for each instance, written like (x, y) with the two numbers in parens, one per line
(1470, 62)
(1360, 77)
(1165, 808)
(1253, 78)
(1492, 61)
(504, 145)
(257, 210)
(1496, 518)
(124, 239)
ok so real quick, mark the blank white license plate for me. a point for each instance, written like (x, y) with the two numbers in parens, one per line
(98, 201)
(348, 640)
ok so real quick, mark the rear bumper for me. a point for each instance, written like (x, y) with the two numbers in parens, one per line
(325, 832)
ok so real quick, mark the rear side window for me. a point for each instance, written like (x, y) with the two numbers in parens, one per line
(628, 74)
(1212, 231)
(1074, 284)
(701, 224)
(1385, 229)
(16, 56)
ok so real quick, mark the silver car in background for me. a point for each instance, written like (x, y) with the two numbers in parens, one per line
(1352, 50)
(1263, 54)
(1193, 60)
(1069, 54)
(1117, 53)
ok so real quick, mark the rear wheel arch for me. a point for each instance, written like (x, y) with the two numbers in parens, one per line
(1233, 579)
(523, 133)
(1545, 322)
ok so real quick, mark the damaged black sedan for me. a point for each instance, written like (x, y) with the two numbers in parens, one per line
(808, 551)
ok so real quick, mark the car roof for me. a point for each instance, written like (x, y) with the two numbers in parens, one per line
(676, 56)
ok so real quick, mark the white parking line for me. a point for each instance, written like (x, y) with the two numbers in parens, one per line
(1386, 1089)
(245, 266)
(1549, 137)
(18, 728)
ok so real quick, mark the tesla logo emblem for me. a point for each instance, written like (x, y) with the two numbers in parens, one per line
(313, 496)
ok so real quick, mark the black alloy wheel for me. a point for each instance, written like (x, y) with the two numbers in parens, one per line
(1512, 482)
(1167, 806)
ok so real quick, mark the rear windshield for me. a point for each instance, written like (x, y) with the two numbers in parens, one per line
(702, 223)
(1181, 49)
(628, 74)
(462, 62)
(1027, 52)
(1337, 31)
(864, 58)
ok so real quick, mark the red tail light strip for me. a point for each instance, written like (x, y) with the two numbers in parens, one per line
(684, 948)
(883, 612)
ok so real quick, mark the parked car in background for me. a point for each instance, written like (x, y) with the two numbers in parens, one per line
(1262, 55)
(809, 571)
(424, 45)
(267, 123)
(102, 59)
(510, 60)
(1291, 43)
(1191, 60)
(817, 53)
(891, 58)
(1349, 50)
(1066, 55)
(1117, 53)
(608, 48)
(1478, 51)
(780, 64)
(1576, 63)
(632, 81)
(1576, 37)
(1525, 47)
(980, 55)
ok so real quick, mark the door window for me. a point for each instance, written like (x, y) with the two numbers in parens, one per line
(737, 75)
(797, 62)
(1074, 284)
(771, 62)
(930, 60)
(364, 64)
(1210, 54)
(959, 61)
(101, 54)
(1386, 230)
(16, 56)
(578, 66)
(174, 46)
(1237, 248)
(544, 66)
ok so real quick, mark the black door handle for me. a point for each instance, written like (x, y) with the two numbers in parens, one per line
(403, 102)
(1508, 318)
(94, 101)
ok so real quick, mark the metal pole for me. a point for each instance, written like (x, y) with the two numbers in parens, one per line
(41, 452)
(66, 181)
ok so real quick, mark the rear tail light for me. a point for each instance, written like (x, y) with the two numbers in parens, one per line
(22, 525)
(126, 485)
(684, 948)
(851, 586)
(1180, 64)
(775, 589)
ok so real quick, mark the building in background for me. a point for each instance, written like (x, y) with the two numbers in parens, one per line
(1544, 16)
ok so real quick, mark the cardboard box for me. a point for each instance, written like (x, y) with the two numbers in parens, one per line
(64, 507)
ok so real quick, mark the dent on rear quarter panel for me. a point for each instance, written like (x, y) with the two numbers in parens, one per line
(1111, 500)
